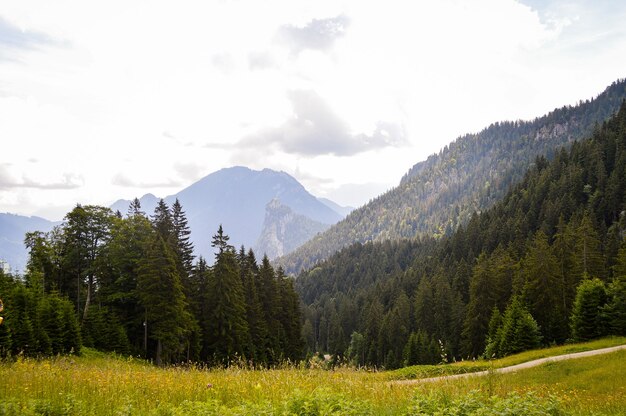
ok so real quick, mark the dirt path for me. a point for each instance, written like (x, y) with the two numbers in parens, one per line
(513, 368)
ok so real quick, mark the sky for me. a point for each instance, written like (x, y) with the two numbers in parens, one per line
(107, 100)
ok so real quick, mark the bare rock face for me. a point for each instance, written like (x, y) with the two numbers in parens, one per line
(284, 230)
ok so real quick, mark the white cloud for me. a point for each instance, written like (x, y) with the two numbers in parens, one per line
(125, 95)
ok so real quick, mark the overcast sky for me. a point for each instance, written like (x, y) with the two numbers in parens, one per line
(101, 100)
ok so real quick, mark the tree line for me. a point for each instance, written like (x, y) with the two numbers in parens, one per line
(131, 284)
(514, 277)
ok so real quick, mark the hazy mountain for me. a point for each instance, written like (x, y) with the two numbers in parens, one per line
(284, 230)
(468, 176)
(12, 230)
(148, 204)
(336, 207)
(236, 198)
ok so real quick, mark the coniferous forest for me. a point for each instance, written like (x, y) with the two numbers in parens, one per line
(132, 285)
(545, 265)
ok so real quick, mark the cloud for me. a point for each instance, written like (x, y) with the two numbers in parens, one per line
(13, 39)
(124, 181)
(68, 181)
(318, 34)
(224, 62)
(314, 129)
(189, 171)
(260, 61)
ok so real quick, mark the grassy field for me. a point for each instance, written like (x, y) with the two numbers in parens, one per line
(95, 383)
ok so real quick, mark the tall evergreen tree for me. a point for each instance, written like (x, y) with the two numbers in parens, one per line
(228, 328)
(542, 293)
(269, 299)
(588, 320)
(161, 295)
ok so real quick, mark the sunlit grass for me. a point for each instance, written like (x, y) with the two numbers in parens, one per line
(470, 366)
(96, 383)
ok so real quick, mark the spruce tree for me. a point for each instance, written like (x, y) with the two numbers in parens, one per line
(269, 299)
(542, 290)
(257, 325)
(519, 331)
(161, 295)
(588, 320)
(228, 328)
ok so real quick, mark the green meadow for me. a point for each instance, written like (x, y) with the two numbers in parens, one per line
(105, 384)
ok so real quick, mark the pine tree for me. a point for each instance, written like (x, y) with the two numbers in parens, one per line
(134, 208)
(519, 331)
(615, 309)
(130, 238)
(257, 325)
(269, 299)
(291, 317)
(162, 221)
(161, 295)
(588, 259)
(228, 328)
(588, 321)
(542, 293)
(184, 246)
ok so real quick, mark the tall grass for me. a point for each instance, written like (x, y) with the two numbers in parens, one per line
(102, 384)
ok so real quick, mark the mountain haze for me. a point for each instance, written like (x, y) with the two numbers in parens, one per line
(467, 176)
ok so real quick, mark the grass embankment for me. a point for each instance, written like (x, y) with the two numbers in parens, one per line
(463, 367)
(102, 384)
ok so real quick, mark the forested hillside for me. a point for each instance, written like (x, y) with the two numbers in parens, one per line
(545, 264)
(131, 285)
(469, 175)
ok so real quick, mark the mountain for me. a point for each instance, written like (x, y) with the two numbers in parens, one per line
(148, 204)
(561, 226)
(469, 175)
(284, 230)
(12, 230)
(336, 207)
(236, 198)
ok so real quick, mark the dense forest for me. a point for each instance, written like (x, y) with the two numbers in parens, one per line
(546, 264)
(132, 285)
(467, 176)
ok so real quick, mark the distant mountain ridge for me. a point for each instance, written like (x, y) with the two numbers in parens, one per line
(467, 176)
(12, 231)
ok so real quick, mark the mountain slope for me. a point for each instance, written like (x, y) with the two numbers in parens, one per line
(12, 230)
(565, 222)
(469, 175)
(284, 230)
